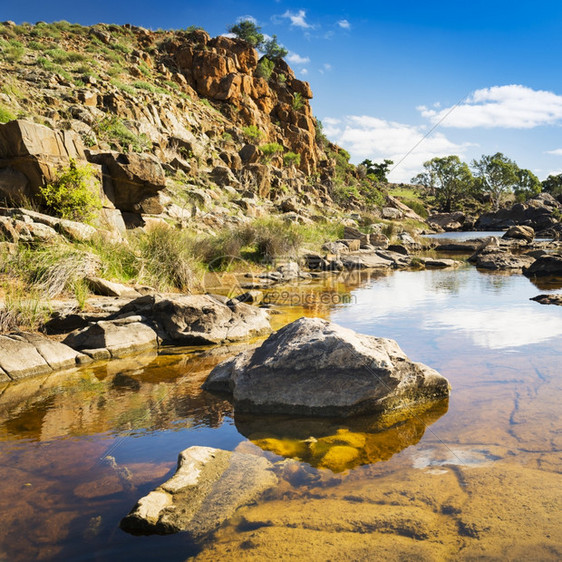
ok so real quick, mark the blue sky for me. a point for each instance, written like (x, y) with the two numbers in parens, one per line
(484, 75)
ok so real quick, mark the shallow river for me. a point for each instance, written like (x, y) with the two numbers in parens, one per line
(479, 477)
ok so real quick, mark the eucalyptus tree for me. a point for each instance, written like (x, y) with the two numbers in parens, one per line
(497, 176)
(449, 180)
(553, 184)
(528, 185)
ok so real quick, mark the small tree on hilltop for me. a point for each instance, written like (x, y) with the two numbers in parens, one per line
(273, 51)
(249, 31)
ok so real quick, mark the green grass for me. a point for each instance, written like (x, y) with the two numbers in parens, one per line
(6, 115)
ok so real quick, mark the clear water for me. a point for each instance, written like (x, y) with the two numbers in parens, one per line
(479, 477)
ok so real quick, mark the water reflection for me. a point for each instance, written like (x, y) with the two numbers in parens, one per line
(340, 445)
(500, 330)
(146, 393)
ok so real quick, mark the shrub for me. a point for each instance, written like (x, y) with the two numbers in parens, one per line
(291, 159)
(252, 133)
(298, 101)
(417, 207)
(112, 129)
(271, 149)
(265, 68)
(70, 196)
(6, 115)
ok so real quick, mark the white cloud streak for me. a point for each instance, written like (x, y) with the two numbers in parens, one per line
(344, 24)
(514, 106)
(369, 137)
(294, 58)
(556, 152)
(298, 19)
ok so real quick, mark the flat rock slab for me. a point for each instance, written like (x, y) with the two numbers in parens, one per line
(439, 263)
(312, 367)
(207, 488)
(24, 355)
(365, 261)
(120, 337)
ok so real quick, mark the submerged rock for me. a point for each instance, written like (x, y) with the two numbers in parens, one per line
(208, 487)
(312, 367)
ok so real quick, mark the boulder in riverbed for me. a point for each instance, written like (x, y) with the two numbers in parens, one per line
(312, 367)
(520, 232)
(544, 266)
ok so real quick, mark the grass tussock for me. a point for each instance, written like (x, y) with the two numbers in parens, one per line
(164, 258)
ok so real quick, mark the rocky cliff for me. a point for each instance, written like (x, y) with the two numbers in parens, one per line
(175, 124)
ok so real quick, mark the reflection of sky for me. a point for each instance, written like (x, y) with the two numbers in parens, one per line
(492, 311)
(502, 328)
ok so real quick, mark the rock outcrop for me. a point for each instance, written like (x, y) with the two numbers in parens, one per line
(314, 368)
(447, 221)
(30, 156)
(538, 213)
(208, 487)
(152, 320)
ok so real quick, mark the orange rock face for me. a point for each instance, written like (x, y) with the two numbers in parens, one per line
(224, 69)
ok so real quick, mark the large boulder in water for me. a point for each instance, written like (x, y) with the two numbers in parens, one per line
(312, 367)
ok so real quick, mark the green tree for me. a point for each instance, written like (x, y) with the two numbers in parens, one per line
(528, 185)
(379, 170)
(272, 50)
(248, 31)
(553, 185)
(497, 176)
(449, 179)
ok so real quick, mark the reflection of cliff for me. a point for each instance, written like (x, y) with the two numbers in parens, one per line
(339, 445)
(146, 393)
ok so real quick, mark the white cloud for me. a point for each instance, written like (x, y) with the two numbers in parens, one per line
(304, 71)
(556, 152)
(298, 19)
(293, 58)
(326, 67)
(369, 137)
(514, 106)
(344, 24)
(247, 18)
